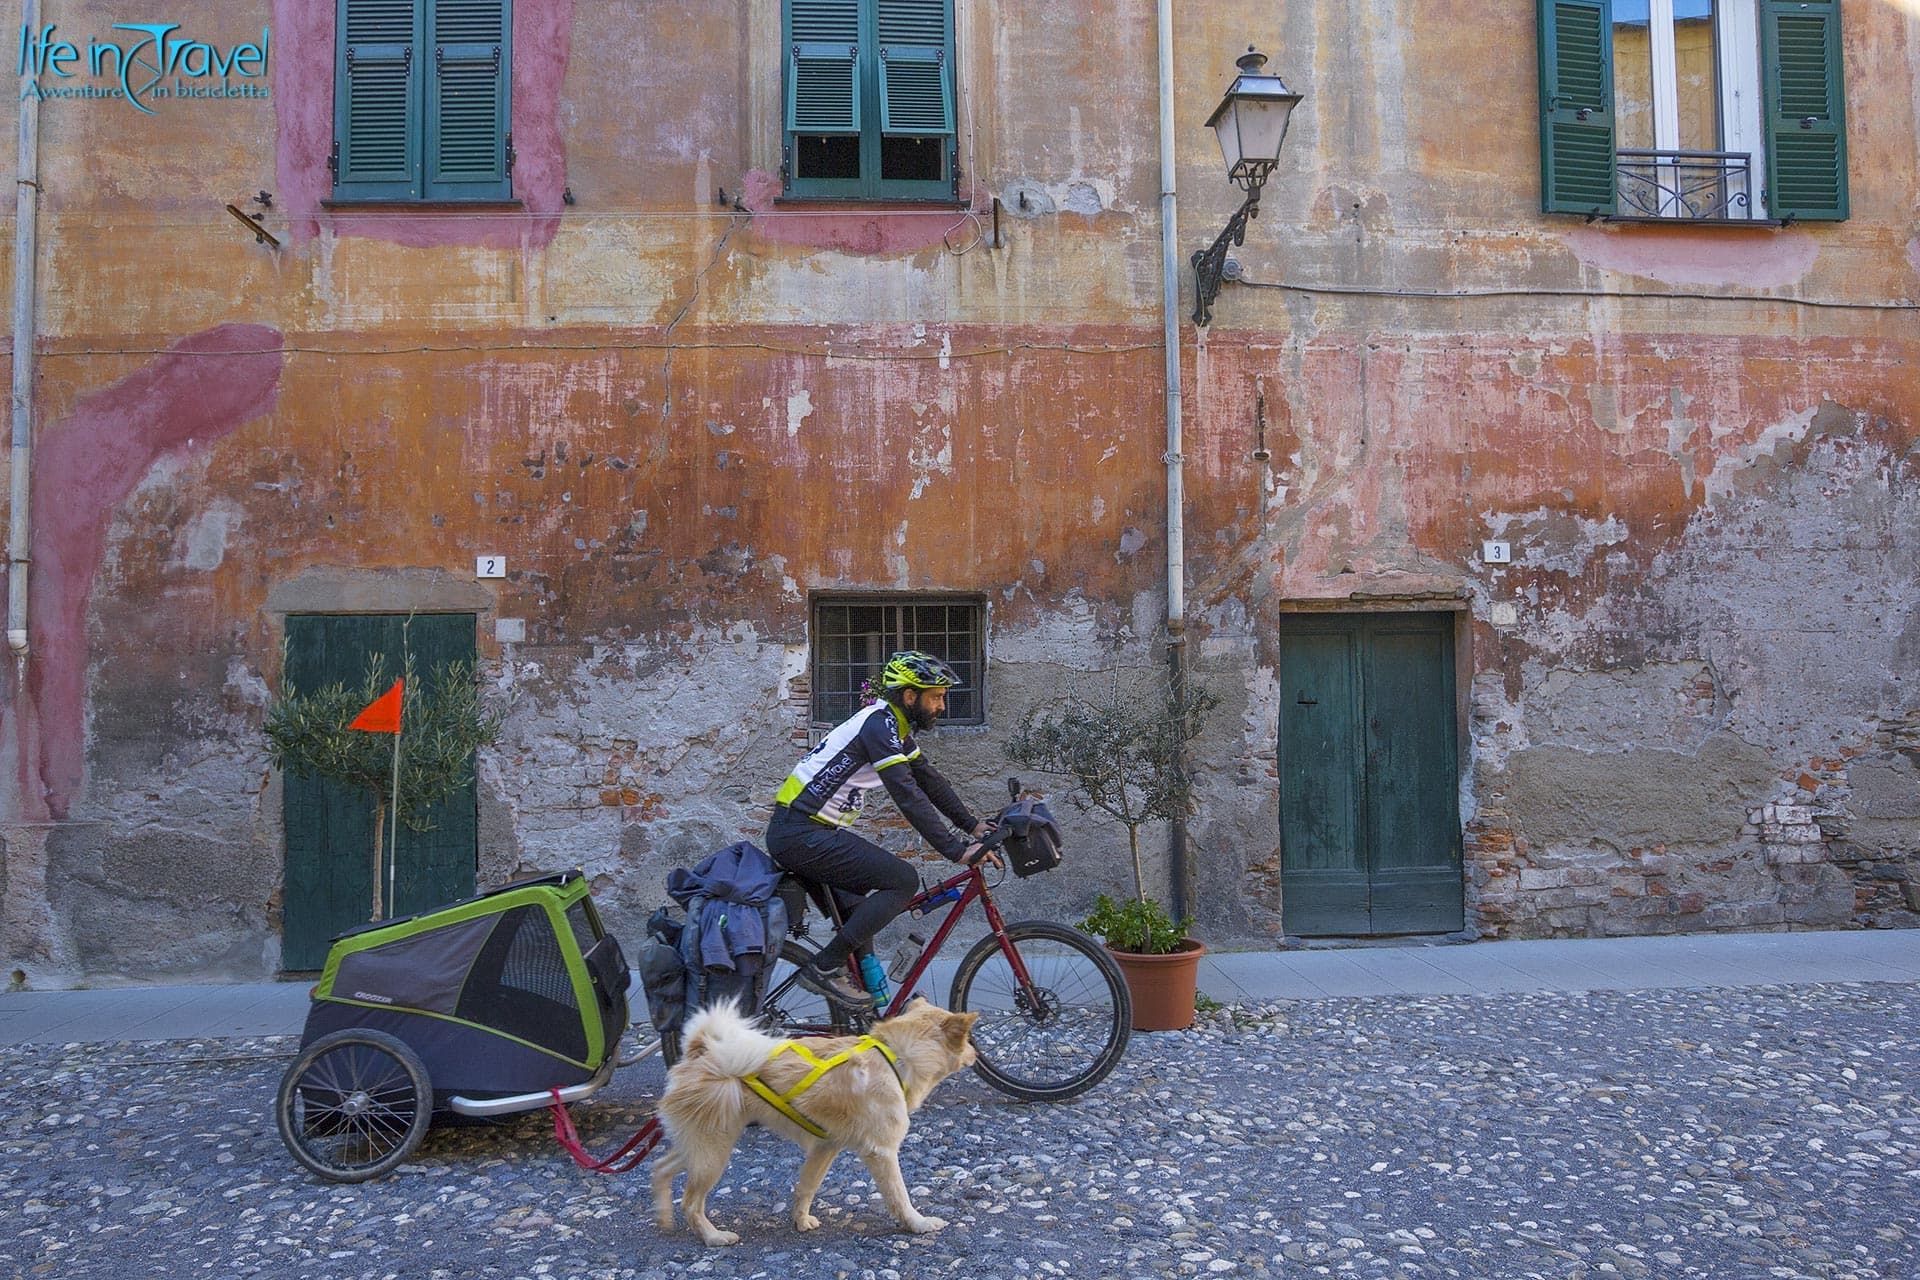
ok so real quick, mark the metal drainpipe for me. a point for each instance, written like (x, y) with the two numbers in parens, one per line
(25, 255)
(1178, 888)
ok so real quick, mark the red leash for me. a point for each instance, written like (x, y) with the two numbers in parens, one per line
(619, 1162)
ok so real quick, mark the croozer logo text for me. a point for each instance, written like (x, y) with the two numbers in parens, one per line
(148, 64)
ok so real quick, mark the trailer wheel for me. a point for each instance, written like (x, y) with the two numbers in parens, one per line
(354, 1105)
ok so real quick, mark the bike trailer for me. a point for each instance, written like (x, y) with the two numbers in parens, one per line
(513, 992)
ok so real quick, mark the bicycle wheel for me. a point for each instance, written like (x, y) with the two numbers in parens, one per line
(354, 1104)
(1057, 1038)
(796, 1010)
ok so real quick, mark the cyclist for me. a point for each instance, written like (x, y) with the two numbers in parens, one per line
(823, 795)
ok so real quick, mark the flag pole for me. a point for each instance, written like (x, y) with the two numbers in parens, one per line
(393, 838)
(382, 715)
(399, 724)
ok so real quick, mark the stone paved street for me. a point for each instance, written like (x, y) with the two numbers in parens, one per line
(1765, 1132)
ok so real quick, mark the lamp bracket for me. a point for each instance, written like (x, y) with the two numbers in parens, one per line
(1250, 175)
(1209, 264)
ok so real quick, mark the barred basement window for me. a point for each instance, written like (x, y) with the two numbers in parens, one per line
(852, 638)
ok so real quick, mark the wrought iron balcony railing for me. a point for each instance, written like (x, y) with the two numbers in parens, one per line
(1688, 186)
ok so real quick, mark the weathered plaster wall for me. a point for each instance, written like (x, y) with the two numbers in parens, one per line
(678, 418)
(1701, 646)
(1709, 606)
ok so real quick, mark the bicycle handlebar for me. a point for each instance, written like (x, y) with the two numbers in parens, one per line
(1000, 832)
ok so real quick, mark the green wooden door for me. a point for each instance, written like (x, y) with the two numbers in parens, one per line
(1369, 807)
(329, 827)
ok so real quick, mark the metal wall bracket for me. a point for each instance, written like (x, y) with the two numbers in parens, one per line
(1210, 263)
(260, 234)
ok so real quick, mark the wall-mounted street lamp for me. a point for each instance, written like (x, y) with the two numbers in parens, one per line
(1251, 123)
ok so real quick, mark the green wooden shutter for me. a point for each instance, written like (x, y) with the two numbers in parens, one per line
(1805, 109)
(823, 66)
(376, 103)
(1576, 106)
(916, 67)
(467, 100)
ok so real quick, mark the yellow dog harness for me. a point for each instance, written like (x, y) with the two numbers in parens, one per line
(783, 1102)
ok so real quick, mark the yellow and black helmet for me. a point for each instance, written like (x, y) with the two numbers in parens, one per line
(912, 669)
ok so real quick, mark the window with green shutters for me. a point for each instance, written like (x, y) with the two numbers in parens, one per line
(421, 107)
(1695, 110)
(869, 99)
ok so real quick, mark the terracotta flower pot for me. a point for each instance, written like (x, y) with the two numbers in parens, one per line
(1162, 986)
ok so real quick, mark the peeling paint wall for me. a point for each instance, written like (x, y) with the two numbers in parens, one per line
(1687, 703)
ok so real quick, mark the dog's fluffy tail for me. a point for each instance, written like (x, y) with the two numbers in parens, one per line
(727, 1041)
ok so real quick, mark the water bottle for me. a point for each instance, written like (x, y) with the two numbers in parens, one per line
(904, 956)
(875, 977)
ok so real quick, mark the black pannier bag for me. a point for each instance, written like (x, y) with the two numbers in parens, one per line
(1034, 845)
(663, 974)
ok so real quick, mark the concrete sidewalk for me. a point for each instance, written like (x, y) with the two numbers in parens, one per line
(1481, 968)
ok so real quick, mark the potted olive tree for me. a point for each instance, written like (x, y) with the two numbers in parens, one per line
(1122, 756)
(404, 743)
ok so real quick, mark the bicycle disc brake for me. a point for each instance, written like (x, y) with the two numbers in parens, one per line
(1038, 1003)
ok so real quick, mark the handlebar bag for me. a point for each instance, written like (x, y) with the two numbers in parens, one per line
(1034, 845)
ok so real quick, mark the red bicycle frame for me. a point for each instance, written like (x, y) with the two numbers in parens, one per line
(974, 881)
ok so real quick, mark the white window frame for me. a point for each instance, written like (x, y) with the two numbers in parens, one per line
(1743, 125)
(1736, 51)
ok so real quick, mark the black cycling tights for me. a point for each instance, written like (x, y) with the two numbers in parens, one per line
(853, 867)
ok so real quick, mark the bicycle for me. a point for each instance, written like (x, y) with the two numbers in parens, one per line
(1055, 1015)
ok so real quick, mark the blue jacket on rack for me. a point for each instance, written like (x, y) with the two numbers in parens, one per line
(727, 899)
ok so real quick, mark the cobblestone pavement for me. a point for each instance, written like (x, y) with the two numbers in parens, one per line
(1766, 1132)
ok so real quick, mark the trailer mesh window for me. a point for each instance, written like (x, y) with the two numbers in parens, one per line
(519, 984)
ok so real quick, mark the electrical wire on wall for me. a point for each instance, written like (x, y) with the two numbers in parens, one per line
(285, 221)
(1447, 295)
(965, 90)
(602, 347)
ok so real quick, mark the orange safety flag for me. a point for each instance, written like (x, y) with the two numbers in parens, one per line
(382, 715)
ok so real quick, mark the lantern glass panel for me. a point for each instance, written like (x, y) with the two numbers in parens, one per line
(1226, 127)
(1262, 127)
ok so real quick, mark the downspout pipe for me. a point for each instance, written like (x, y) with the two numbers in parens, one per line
(26, 208)
(1179, 887)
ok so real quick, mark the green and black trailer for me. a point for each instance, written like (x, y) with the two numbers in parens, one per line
(485, 1007)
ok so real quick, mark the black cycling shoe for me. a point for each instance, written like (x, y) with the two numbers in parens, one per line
(836, 987)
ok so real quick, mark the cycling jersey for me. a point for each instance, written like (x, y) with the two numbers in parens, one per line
(874, 748)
